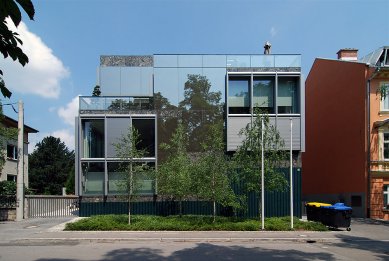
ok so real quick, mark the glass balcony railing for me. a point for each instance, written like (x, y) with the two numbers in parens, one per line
(115, 104)
(226, 61)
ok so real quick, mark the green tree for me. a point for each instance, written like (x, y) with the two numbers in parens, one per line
(49, 166)
(201, 108)
(248, 158)
(132, 172)
(70, 182)
(174, 174)
(9, 39)
(211, 170)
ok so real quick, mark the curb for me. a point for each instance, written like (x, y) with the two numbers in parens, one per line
(32, 241)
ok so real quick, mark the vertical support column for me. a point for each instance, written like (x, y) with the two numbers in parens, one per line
(20, 176)
(291, 172)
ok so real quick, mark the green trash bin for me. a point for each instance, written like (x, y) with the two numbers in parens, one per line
(314, 210)
(337, 215)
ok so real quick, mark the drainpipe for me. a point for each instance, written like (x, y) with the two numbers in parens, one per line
(368, 87)
(368, 148)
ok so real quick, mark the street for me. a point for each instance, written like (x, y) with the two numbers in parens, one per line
(43, 239)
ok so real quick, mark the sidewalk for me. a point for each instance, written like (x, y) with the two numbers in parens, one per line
(35, 231)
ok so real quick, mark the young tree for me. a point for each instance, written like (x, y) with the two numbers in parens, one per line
(132, 171)
(211, 171)
(248, 158)
(49, 166)
(174, 174)
(9, 39)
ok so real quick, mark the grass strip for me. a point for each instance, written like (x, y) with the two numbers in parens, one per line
(188, 223)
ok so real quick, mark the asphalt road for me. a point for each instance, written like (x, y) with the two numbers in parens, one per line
(42, 239)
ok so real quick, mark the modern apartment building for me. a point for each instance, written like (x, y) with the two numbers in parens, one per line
(347, 133)
(153, 92)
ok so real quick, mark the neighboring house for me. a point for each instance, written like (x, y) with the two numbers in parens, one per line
(347, 133)
(10, 168)
(152, 92)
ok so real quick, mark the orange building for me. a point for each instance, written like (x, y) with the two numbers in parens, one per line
(347, 132)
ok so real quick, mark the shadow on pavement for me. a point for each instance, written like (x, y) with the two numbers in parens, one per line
(378, 248)
(206, 251)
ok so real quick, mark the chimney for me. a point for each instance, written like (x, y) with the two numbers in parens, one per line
(348, 54)
(267, 47)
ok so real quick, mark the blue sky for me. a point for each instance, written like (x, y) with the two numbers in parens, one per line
(67, 37)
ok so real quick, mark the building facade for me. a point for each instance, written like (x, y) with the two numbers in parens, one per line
(10, 168)
(346, 125)
(153, 92)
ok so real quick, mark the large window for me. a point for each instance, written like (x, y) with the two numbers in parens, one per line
(263, 94)
(386, 146)
(93, 138)
(386, 196)
(115, 178)
(93, 178)
(239, 95)
(288, 95)
(146, 130)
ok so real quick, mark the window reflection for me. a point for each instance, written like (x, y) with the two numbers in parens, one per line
(239, 95)
(263, 92)
(93, 138)
(288, 95)
(93, 177)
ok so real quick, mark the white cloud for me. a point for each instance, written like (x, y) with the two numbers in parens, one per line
(42, 75)
(273, 31)
(65, 135)
(69, 112)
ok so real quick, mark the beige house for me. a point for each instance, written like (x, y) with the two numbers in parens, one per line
(10, 169)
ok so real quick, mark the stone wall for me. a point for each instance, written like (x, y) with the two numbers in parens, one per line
(7, 214)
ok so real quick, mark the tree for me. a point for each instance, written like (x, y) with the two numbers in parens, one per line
(248, 156)
(132, 171)
(211, 171)
(96, 91)
(174, 174)
(49, 166)
(201, 108)
(9, 39)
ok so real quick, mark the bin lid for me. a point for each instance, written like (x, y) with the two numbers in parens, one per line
(338, 206)
(317, 204)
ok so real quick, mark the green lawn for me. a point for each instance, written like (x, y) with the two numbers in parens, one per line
(188, 223)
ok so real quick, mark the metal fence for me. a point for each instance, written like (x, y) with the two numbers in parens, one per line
(38, 206)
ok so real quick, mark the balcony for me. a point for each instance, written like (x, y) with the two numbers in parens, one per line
(115, 105)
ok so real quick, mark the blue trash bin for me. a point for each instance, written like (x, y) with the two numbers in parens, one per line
(337, 215)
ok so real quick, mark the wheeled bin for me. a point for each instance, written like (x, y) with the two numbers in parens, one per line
(314, 210)
(337, 215)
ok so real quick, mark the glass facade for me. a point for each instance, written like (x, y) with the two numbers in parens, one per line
(288, 95)
(263, 93)
(93, 178)
(239, 95)
(198, 90)
(93, 138)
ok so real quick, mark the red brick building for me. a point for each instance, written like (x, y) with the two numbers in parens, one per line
(347, 132)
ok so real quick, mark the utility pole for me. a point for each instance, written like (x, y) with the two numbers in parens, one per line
(20, 176)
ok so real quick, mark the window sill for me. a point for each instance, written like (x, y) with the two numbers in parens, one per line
(383, 112)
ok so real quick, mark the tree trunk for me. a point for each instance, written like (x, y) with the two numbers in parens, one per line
(129, 209)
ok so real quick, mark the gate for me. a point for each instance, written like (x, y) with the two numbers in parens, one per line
(38, 206)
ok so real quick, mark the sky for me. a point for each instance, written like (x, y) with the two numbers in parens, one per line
(67, 37)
